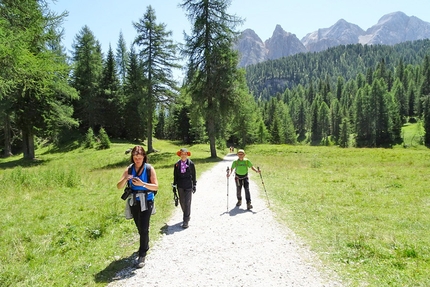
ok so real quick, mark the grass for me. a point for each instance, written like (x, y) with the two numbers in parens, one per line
(363, 211)
(62, 216)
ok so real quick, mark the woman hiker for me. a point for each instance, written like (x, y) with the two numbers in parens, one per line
(241, 166)
(184, 178)
(142, 179)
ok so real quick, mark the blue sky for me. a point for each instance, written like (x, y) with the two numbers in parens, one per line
(106, 18)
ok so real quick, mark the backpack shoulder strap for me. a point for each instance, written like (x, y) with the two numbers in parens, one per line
(148, 176)
(130, 168)
(148, 172)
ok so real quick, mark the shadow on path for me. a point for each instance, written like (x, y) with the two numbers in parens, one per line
(122, 268)
(171, 229)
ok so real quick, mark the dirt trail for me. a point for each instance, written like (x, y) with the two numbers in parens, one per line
(220, 248)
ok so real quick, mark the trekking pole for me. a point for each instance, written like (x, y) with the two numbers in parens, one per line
(259, 171)
(228, 171)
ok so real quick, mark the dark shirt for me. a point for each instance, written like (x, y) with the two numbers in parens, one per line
(187, 179)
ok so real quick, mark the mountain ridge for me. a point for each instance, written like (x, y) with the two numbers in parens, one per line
(391, 29)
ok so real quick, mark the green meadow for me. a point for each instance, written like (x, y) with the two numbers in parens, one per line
(364, 212)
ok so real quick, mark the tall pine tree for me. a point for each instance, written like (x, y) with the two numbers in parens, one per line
(34, 77)
(212, 64)
(87, 74)
(158, 57)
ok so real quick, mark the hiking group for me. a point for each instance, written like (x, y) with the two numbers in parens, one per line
(141, 184)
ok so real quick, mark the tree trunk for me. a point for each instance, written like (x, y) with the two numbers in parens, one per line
(149, 147)
(28, 144)
(212, 136)
(7, 137)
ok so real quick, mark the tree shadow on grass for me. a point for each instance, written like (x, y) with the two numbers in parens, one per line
(117, 270)
(22, 163)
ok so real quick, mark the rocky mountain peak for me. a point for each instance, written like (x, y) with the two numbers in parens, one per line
(395, 28)
(341, 33)
(283, 44)
(251, 48)
(391, 29)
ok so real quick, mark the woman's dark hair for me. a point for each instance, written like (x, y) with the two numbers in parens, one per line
(138, 150)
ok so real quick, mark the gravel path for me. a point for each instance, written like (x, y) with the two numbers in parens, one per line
(220, 248)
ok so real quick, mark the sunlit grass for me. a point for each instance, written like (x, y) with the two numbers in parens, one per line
(62, 216)
(365, 211)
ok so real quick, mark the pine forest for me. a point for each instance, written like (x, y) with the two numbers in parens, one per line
(350, 96)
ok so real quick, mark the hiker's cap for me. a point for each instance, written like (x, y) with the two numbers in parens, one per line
(179, 152)
(240, 151)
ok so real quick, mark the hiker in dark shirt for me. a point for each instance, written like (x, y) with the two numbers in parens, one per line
(184, 178)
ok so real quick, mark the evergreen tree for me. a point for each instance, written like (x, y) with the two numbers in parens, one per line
(369, 76)
(401, 73)
(325, 90)
(400, 106)
(86, 78)
(262, 133)
(89, 140)
(158, 56)
(212, 64)
(324, 122)
(12, 40)
(276, 129)
(302, 119)
(110, 106)
(425, 86)
(364, 124)
(183, 123)
(426, 120)
(381, 114)
(344, 133)
(245, 121)
(401, 99)
(310, 95)
(335, 119)
(34, 77)
(316, 128)
(161, 124)
(289, 135)
(395, 118)
(104, 141)
(121, 58)
(412, 98)
(134, 90)
(339, 87)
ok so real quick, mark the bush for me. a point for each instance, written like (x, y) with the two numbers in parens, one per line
(104, 139)
(89, 141)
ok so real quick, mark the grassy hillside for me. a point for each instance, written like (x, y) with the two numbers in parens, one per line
(364, 211)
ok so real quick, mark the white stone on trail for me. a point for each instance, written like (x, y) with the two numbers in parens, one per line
(238, 248)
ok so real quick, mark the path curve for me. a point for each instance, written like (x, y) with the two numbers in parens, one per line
(234, 248)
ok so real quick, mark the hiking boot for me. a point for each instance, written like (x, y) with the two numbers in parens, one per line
(239, 202)
(248, 206)
(185, 224)
(140, 262)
